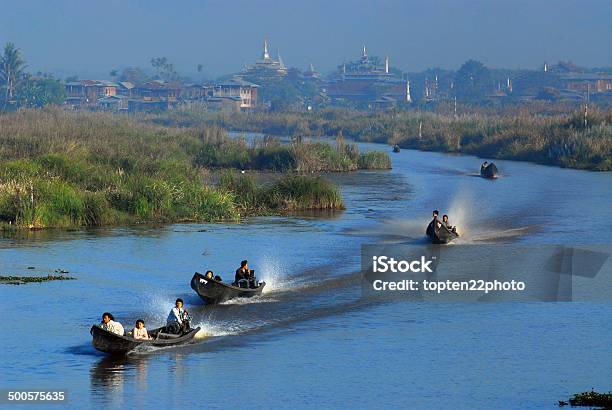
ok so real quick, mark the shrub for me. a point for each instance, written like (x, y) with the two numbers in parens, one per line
(375, 160)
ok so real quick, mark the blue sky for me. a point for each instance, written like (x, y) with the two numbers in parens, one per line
(83, 36)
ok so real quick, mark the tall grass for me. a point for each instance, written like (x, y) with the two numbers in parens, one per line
(63, 169)
(553, 135)
(288, 193)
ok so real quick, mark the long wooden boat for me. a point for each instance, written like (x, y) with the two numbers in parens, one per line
(214, 291)
(440, 236)
(112, 343)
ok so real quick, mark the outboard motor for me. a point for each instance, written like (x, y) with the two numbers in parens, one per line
(186, 324)
(252, 280)
(173, 328)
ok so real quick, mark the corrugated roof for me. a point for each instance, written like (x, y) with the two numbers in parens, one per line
(93, 83)
(237, 82)
(585, 77)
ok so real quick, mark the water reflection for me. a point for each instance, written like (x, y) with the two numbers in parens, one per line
(108, 377)
(26, 237)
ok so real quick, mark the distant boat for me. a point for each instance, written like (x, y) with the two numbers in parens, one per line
(488, 171)
(396, 148)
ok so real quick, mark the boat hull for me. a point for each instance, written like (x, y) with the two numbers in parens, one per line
(213, 291)
(489, 172)
(441, 236)
(114, 344)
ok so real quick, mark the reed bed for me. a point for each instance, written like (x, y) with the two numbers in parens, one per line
(66, 169)
(554, 135)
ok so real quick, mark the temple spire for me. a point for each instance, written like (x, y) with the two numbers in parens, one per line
(364, 54)
(387, 65)
(408, 97)
(280, 59)
(266, 54)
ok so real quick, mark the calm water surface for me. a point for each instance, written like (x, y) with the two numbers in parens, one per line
(312, 339)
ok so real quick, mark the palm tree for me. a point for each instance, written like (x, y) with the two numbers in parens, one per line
(11, 70)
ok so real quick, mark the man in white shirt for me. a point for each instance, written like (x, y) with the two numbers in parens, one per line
(178, 315)
(108, 323)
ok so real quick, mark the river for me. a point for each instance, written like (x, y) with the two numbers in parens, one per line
(312, 340)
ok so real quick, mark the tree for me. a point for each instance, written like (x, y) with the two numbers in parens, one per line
(36, 92)
(473, 81)
(164, 68)
(134, 75)
(11, 71)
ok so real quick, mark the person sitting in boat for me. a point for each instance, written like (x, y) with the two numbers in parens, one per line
(243, 274)
(434, 225)
(178, 319)
(209, 274)
(447, 224)
(484, 165)
(140, 331)
(108, 323)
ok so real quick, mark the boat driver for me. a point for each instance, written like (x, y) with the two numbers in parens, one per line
(243, 272)
(434, 225)
(178, 319)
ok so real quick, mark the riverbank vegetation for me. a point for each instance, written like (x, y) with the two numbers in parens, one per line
(22, 280)
(561, 136)
(289, 193)
(65, 169)
(591, 399)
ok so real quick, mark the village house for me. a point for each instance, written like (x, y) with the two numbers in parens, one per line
(245, 91)
(125, 88)
(154, 95)
(192, 92)
(232, 95)
(587, 82)
(82, 93)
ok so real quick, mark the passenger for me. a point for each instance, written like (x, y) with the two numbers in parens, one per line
(243, 273)
(210, 275)
(447, 224)
(484, 165)
(108, 323)
(140, 331)
(178, 319)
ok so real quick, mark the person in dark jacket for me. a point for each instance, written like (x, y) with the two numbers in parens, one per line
(434, 225)
(243, 272)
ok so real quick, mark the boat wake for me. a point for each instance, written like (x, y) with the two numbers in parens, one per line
(248, 301)
(211, 328)
(273, 272)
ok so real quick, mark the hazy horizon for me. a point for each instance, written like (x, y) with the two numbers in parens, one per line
(73, 37)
